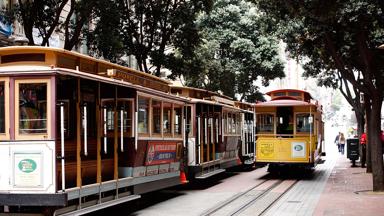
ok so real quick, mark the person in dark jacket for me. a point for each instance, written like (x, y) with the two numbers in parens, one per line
(337, 141)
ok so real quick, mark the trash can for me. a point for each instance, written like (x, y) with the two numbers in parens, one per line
(353, 150)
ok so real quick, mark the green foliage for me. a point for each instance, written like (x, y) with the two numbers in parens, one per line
(48, 16)
(105, 39)
(235, 51)
(339, 40)
(330, 36)
(147, 29)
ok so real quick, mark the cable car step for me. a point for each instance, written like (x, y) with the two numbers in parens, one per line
(209, 174)
(96, 207)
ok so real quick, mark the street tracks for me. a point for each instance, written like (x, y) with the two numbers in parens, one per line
(254, 201)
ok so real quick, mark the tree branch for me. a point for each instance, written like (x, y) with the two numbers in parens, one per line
(55, 23)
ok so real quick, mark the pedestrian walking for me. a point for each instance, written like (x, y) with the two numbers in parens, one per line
(337, 141)
(363, 144)
(341, 143)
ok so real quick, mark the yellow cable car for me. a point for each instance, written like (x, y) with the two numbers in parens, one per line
(289, 129)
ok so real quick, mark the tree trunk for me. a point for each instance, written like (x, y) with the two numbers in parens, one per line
(360, 123)
(360, 128)
(368, 110)
(375, 143)
(139, 62)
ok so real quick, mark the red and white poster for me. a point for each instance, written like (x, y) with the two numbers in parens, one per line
(160, 153)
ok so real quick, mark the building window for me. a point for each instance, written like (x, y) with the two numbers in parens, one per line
(32, 108)
(264, 123)
(156, 113)
(5, 4)
(143, 115)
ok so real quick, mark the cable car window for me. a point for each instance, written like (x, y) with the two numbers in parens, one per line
(2, 107)
(32, 108)
(234, 121)
(143, 115)
(126, 107)
(278, 94)
(188, 117)
(264, 123)
(238, 124)
(110, 118)
(177, 112)
(303, 122)
(167, 118)
(230, 123)
(156, 113)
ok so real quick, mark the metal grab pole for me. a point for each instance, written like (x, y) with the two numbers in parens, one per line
(222, 130)
(211, 139)
(217, 130)
(246, 136)
(121, 130)
(136, 128)
(206, 131)
(310, 133)
(62, 146)
(85, 130)
(198, 137)
(184, 126)
(105, 129)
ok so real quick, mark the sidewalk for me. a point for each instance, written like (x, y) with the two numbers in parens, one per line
(341, 194)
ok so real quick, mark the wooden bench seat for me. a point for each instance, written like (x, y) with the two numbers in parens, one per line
(88, 171)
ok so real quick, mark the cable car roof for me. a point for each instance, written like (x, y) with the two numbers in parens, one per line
(283, 102)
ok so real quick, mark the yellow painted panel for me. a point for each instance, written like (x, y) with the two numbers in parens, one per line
(291, 150)
(266, 148)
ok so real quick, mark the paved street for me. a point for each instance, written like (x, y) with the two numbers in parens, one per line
(300, 200)
(332, 189)
(196, 199)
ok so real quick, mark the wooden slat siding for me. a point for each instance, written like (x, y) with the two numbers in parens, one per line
(98, 131)
(87, 66)
(89, 167)
(78, 135)
(66, 61)
(139, 79)
(101, 68)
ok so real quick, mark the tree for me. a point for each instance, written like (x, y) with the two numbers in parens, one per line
(105, 39)
(49, 16)
(352, 95)
(340, 37)
(235, 51)
(149, 30)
